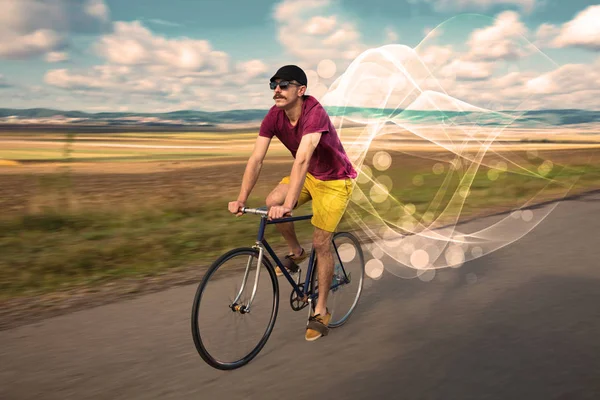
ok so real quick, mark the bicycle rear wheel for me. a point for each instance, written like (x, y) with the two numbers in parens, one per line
(349, 273)
(227, 335)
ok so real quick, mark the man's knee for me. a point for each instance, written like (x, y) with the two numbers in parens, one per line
(276, 197)
(272, 201)
(322, 240)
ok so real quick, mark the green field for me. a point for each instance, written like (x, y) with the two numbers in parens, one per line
(68, 227)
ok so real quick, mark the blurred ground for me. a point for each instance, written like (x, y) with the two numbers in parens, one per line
(522, 322)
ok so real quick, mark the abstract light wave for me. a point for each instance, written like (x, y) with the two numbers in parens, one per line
(391, 90)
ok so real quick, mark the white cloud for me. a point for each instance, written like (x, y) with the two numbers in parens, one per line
(96, 8)
(569, 78)
(435, 55)
(568, 86)
(252, 69)
(503, 86)
(133, 44)
(587, 99)
(499, 41)
(123, 82)
(98, 77)
(582, 31)
(468, 70)
(146, 70)
(487, 49)
(24, 16)
(543, 84)
(344, 35)
(115, 79)
(56, 56)
(34, 27)
(545, 34)
(473, 76)
(287, 10)
(478, 5)
(310, 37)
(34, 43)
(513, 80)
(320, 25)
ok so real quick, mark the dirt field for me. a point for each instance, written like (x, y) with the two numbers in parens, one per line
(27, 186)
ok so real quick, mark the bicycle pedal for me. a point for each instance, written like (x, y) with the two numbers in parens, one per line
(293, 268)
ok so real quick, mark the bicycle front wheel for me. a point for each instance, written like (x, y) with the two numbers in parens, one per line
(234, 312)
(348, 276)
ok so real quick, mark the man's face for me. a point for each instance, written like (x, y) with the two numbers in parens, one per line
(289, 94)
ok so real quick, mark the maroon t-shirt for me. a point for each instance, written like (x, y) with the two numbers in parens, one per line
(329, 160)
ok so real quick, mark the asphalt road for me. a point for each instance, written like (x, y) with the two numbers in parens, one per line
(527, 328)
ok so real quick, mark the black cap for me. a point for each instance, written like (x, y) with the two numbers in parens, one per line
(291, 73)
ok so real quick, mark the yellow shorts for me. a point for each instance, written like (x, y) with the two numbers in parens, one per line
(329, 200)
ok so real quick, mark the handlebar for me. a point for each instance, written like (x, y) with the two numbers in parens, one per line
(256, 211)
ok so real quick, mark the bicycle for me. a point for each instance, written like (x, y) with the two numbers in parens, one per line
(242, 305)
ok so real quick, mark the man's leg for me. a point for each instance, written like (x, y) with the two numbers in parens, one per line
(277, 198)
(329, 204)
(322, 245)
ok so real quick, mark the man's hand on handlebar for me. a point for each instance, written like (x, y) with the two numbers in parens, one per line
(235, 207)
(277, 212)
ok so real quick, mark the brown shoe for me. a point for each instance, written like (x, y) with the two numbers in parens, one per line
(290, 262)
(317, 326)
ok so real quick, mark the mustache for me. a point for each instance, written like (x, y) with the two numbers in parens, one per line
(278, 96)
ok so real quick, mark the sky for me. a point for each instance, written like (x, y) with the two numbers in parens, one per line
(156, 55)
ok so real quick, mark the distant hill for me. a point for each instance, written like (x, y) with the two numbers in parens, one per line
(193, 118)
(184, 115)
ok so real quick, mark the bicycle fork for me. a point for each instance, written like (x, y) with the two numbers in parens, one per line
(244, 309)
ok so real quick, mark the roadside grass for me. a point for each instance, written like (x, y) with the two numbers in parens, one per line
(55, 249)
(63, 239)
(59, 245)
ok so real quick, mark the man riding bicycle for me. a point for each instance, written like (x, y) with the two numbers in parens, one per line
(322, 172)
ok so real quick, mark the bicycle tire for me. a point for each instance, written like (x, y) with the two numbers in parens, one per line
(197, 333)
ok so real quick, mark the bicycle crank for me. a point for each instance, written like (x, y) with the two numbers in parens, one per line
(297, 302)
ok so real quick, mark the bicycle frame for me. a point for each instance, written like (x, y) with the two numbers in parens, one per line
(262, 244)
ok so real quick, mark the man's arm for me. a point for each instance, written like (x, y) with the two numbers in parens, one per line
(251, 173)
(305, 151)
(303, 155)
